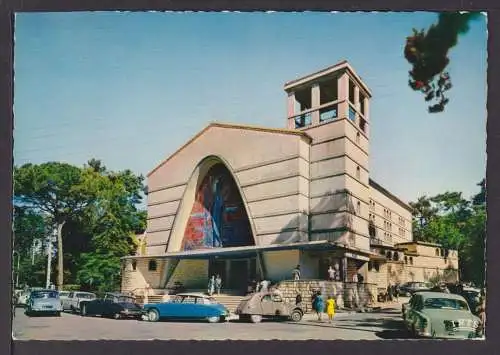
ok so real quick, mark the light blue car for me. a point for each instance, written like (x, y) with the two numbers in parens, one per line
(188, 306)
(44, 302)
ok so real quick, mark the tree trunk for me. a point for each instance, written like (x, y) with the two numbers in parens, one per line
(60, 257)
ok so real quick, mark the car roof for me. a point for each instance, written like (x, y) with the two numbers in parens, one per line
(429, 294)
(192, 294)
(84, 292)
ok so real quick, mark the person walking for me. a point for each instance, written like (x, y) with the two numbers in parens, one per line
(330, 308)
(211, 286)
(331, 273)
(218, 284)
(319, 305)
(296, 273)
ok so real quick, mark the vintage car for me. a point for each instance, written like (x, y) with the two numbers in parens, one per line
(409, 288)
(187, 306)
(441, 315)
(73, 300)
(112, 305)
(63, 296)
(267, 305)
(43, 302)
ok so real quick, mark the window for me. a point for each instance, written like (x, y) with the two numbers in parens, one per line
(189, 299)
(411, 260)
(370, 266)
(358, 173)
(437, 252)
(395, 256)
(134, 265)
(358, 138)
(351, 91)
(358, 207)
(362, 103)
(376, 266)
(406, 260)
(152, 265)
(362, 124)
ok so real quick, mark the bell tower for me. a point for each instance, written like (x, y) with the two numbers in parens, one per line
(333, 107)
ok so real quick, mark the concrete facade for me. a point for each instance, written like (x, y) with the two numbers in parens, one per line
(304, 193)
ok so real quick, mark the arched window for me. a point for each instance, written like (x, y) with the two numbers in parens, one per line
(406, 260)
(358, 173)
(395, 256)
(376, 266)
(388, 255)
(370, 266)
(152, 265)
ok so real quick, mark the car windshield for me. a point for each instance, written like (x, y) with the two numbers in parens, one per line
(446, 303)
(44, 294)
(87, 296)
(206, 300)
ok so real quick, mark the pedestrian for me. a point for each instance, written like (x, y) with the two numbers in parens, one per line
(218, 283)
(395, 291)
(298, 299)
(296, 273)
(389, 292)
(319, 305)
(264, 286)
(330, 308)
(211, 286)
(331, 273)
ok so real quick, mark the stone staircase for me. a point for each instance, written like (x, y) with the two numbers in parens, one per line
(231, 302)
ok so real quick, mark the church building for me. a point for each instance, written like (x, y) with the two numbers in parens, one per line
(249, 202)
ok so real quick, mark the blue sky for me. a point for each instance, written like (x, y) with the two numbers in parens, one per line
(130, 88)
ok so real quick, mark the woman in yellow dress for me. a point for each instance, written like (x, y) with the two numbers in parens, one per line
(330, 308)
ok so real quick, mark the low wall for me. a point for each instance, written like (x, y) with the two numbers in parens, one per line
(346, 294)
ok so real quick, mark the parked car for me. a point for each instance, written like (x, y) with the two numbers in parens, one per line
(43, 302)
(409, 288)
(187, 306)
(441, 315)
(63, 296)
(72, 302)
(267, 305)
(112, 305)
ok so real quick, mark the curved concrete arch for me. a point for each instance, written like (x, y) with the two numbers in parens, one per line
(188, 197)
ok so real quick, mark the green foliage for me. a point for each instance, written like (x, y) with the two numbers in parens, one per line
(455, 223)
(99, 211)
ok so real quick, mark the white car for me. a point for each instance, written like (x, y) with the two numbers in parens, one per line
(72, 302)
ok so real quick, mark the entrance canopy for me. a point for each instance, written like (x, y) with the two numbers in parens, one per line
(246, 251)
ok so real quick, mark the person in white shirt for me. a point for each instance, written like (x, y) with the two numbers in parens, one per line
(331, 273)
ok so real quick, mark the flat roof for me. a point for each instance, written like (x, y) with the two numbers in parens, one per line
(421, 243)
(233, 126)
(344, 64)
(390, 195)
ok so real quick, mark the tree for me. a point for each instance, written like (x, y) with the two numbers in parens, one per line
(427, 52)
(55, 190)
(455, 223)
(114, 220)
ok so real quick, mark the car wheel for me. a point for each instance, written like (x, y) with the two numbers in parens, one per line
(58, 314)
(153, 315)
(214, 319)
(296, 315)
(116, 316)
(256, 318)
(83, 312)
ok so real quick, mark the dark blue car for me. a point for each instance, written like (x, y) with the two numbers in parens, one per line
(187, 306)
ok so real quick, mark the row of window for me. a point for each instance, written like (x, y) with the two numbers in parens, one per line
(402, 232)
(388, 214)
(387, 226)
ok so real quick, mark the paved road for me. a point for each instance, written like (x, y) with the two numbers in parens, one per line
(383, 325)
